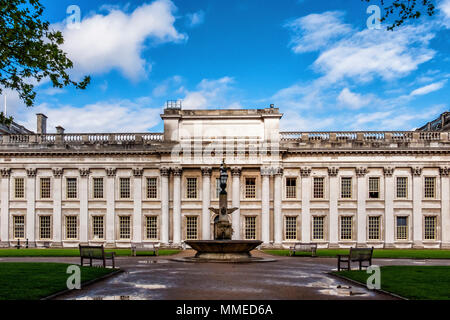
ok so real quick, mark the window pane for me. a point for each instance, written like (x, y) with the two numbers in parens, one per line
(430, 187)
(291, 188)
(98, 188)
(71, 227)
(402, 187)
(45, 188)
(125, 188)
(346, 188)
(402, 228)
(152, 188)
(430, 228)
(191, 228)
(71, 188)
(318, 188)
(250, 188)
(318, 233)
(291, 228)
(97, 227)
(374, 188)
(152, 227)
(124, 227)
(191, 191)
(374, 228)
(19, 227)
(19, 188)
(346, 228)
(44, 227)
(250, 228)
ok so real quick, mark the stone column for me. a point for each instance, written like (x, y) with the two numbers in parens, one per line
(110, 205)
(57, 212)
(165, 205)
(417, 207)
(177, 205)
(206, 202)
(445, 207)
(389, 194)
(306, 197)
(137, 205)
(31, 206)
(333, 223)
(265, 205)
(361, 216)
(236, 202)
(4, 209)
(277, 213)
(84, 205)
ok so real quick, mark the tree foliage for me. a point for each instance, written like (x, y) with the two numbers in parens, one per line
(30, 51)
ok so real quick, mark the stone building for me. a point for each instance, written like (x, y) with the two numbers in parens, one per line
(337, 189)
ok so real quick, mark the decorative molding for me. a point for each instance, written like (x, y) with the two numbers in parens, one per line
(164, 171)
(84, 172)
(416, 171)
(305, 172)
(6, 172)
(333, 171)
(236, 171)
(138, 172)
(266, 171)
(444, 171)
(278, 171)
(206, 171)
(58, 172)
(111, 172)
(388, 171)
(177, 171)
(31, 172)
(361, 171)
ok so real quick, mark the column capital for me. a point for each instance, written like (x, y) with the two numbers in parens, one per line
(31, 172)
(138, 172)
(333, 171)
(58, 172)
(236, 171)
(416, 171)
(84, 172)
(444, 171)
(177, 171)
(266, 171)
(305, 172)
(5, 172)
(278, 171)
(206, 171)
(164, 171)
(111, 172)
(388, 171)
(361, 172)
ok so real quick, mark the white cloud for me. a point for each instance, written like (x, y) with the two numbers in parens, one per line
(195, 19)
(116, 40)
(444, 6)
(316, 31)
(352, 100)
(428, 88)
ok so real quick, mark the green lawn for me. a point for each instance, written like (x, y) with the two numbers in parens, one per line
(412, 282)
(33, 281)
(377, 253)
(70, 252)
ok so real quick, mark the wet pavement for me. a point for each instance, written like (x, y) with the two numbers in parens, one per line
(288, 278)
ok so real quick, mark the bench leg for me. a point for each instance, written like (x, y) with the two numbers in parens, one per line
(339, 264)
(104, 262)
(114, 265)
(348, 266)
(360, 265)
(90, 262)
(81, 262)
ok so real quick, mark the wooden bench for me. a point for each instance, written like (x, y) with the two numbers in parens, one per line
(303, 247)
(356, 254)
(153, 247)
(96, 253)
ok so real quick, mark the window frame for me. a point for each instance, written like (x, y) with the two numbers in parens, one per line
(376, 178)
(120, 228)
(50, 227)
(67, 221)
(290, 229)
(246, 188)
(70, 197)
(248, 231)
(379, 228)
(189, 227)
(121, 192)
(406, 187)
(350, 188)
(435, 227)
(341, 233)
(147, 188)
(288, 192)
(187, 193)
(94, 179)
(23, 191)
(406, 227)
(434, 179)
(93, 227)
(41, 179)
(156, 227)
(314, 188)
(313, 233)
(22, 228)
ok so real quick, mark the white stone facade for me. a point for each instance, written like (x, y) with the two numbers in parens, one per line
(341, 189)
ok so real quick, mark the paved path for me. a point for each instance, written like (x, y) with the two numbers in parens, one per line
(287, 278)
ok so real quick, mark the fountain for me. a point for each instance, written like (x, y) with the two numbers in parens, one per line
(222, 248)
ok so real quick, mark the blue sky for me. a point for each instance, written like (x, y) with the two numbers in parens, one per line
(315, 60)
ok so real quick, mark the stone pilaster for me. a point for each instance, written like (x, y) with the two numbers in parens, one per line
(265, 205)
(277, 207)
(110, 205)
(57, 211)
(137, 204)
(236, 201)
(31, 206)
(84, 205)
(361, 216)
(206, 202)
(445, 206)
(389, 194)
(177, 172)
(165, 172)
(417, 207)
(306, 198)
(333, 173)
(4, 209)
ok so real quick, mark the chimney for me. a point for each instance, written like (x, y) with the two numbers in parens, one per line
(59, 130)
(41, 127)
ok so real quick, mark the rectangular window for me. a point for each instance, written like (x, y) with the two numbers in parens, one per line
(45, 228)
(71, 188)
(374, 188)
(19, 188)
(71, 227)
(430, 228)
(125, 192)
(98, 227)
(124, 227)
(152, 227)
(402, 187)
(45, 188)
(402, 228)
(98, 188)
(19, 227)
(346, 228)
(291, 228)
(250, 188)
(318, 233)
(430, 187)
(374, 228)
(217, 187)
(191, 188)
(318, 192)
(191, 228)
(250, 228)
(291, 188)
(152, 188)
(346, 188)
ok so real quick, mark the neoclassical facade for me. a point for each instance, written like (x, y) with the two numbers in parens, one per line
(337, 189)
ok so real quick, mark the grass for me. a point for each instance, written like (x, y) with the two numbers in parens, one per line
(33, 281)
(412, 282)
(71, 252)
(377, 253)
